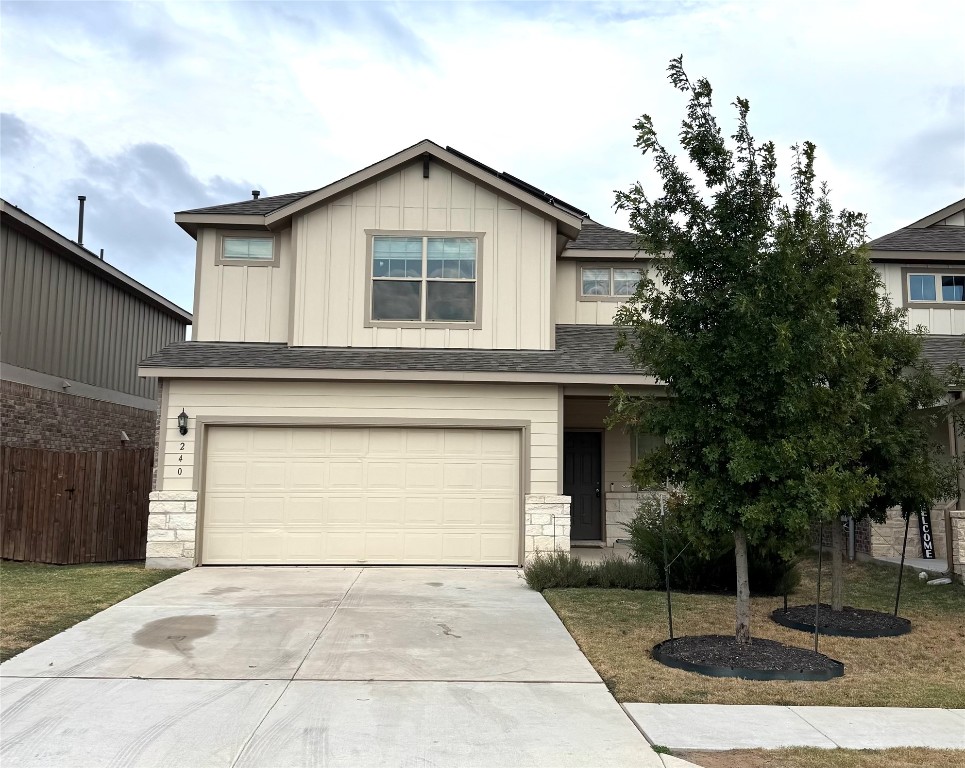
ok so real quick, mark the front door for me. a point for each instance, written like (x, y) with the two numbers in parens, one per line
(581, 481)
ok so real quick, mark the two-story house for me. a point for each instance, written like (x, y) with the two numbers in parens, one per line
(409, 365)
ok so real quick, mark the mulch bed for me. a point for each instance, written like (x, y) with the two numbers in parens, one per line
(721, 656)
(850, 622)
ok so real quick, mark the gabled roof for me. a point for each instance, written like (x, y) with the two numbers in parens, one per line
(927, 235)
(273, 212)
(13, 216)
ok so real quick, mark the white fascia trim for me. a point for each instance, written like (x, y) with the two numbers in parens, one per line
(396, 375)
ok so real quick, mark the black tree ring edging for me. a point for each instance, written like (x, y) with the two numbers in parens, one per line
(894, 626)
(662, 652)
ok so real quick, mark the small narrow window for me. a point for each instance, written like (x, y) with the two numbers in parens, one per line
(953, 287)
(644, 443)
(609, 282)
(248, 248)
(922, 287)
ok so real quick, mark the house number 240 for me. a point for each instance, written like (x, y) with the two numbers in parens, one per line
(181, 458)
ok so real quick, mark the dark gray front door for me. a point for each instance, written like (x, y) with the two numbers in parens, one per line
(581, 480)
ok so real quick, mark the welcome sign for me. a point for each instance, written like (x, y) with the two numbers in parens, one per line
(927, 539)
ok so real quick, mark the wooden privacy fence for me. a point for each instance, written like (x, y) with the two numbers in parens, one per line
(74, 506)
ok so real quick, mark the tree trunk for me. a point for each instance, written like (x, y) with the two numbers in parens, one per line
(837, 565)
(743, 613)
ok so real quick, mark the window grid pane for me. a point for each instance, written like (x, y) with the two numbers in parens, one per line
(953, 287)
(625, 281)
(922, 288)
(450, 275)
(596, 282)
(256, 248)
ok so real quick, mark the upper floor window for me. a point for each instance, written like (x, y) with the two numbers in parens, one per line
(608, 282)
(424, 280)
(936, 288)
(238, 248)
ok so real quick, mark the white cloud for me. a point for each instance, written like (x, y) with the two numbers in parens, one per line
(293, 95)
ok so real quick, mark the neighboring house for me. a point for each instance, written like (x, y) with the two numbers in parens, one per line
(74, 329)
(410, 365)
(923, 269)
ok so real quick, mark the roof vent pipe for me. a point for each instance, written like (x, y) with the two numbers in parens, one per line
(102, 254)
(255, 193)
(80, 219)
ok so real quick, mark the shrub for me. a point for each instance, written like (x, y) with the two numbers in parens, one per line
(554, 570)
(620, 573)
(693, 571)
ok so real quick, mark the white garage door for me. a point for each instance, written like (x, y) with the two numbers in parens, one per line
(361, 495)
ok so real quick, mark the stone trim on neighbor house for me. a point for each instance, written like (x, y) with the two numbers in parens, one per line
(546, 525)
(958, 542)
(887, 537)
(171, 529)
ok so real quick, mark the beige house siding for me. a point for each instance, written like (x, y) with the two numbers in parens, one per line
(939, 320)
(955, 220)
(294, 402)
(570, 307)
(516, 263)
(239, 302)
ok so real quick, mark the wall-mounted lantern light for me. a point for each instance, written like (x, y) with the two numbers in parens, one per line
(183, 422)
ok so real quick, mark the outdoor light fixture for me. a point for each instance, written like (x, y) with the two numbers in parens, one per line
(183, 422)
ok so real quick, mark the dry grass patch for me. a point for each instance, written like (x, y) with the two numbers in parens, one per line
(616, 630)
(828, 758)
(38, 601)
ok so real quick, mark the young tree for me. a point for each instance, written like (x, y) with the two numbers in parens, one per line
(742, 325)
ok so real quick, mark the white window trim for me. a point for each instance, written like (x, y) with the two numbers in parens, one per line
(222, 261)
(938, 301)
(474, 324)
(611, 297)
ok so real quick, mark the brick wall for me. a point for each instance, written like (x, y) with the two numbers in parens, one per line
(31, 417)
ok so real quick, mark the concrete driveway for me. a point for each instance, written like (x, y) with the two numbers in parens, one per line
(333, 667)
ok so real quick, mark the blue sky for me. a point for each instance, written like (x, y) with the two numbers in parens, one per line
(148, 108)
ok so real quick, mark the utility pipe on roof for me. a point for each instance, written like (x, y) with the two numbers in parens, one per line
(80, 219)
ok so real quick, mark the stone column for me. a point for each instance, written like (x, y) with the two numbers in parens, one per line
(957, 548)
(171, 529)
(547, 525)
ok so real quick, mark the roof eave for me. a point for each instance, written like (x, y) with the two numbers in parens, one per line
(888, 255)
(192, 222)
(934, 218)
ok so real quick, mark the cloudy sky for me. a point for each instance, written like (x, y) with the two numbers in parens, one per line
(149, 108)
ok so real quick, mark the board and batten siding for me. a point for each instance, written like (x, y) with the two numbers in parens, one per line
(515, 266)
(570, 308)
(939, 320)
(63, 320)
(293, 402)
(239, 302)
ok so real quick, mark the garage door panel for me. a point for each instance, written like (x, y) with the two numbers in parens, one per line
(267, 474)
(345, 474)
(223, 474)
(317, 495)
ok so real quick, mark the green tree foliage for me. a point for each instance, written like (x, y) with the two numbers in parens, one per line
(766, 323)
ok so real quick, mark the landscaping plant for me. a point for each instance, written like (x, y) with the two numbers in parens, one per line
(740, 318)
(558, 570)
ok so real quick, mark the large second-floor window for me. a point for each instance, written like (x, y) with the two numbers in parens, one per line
(936, 288)
(424, 279)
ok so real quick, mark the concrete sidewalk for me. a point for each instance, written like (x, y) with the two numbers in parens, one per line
(723, 727)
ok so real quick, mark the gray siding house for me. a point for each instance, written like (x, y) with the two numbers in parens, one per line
(73, 331)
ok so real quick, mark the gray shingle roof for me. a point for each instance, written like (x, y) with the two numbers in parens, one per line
(597, 237)
(581, 349)
(937, 239)
(941, 350)
(260, 207)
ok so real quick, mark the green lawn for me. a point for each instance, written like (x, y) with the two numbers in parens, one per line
(828, 758)
(617, 628)
(38, 601)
